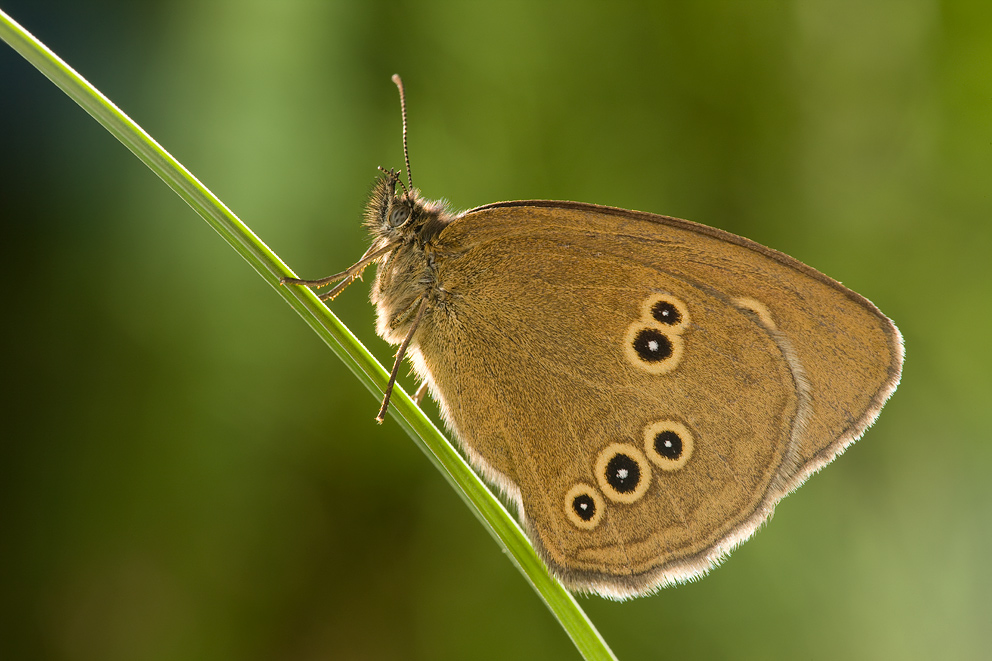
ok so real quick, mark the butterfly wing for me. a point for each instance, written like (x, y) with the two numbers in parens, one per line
(644, 388)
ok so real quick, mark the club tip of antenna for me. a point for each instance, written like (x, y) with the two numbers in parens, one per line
(397, 80)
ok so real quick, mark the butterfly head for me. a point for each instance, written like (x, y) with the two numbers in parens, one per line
(398, 216)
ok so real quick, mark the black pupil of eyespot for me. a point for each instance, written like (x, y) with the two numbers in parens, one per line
(666, 313)
(652, 345)
(623, 473)
(668, 445)
(584, 506)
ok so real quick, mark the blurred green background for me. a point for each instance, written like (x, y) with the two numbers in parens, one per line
(186, 472)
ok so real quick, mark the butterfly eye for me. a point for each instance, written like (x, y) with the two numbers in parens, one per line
(398, 215)
(623, 473)
(668, 444)
(584, 506)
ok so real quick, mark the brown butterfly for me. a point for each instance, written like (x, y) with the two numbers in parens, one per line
(644, 389)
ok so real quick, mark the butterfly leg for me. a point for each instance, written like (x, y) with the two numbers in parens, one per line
(347, 277)
(421, 306)
(419, 395)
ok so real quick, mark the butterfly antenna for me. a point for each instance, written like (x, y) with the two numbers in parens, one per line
(406, 153)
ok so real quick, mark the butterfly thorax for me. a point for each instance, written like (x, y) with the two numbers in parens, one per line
(410, 224)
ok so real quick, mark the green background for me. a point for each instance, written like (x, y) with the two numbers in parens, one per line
(186, 472)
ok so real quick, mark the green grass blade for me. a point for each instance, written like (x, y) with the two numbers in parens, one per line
(487, 508)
